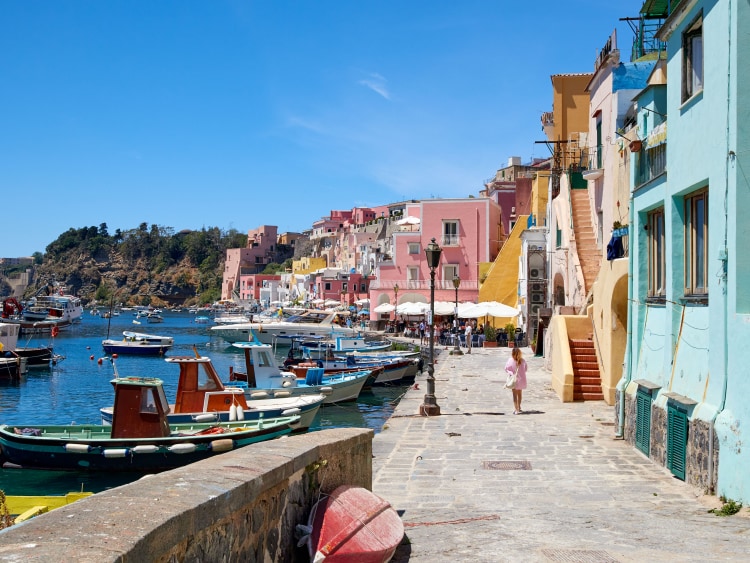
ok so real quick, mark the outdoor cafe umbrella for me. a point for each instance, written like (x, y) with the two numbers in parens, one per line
(409, 221)
(409, 308)
(488, 309)
(384, 308)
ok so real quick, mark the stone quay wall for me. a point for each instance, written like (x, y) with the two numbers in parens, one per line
(238, 506)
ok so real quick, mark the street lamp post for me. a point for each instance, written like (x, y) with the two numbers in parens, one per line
(457, 349)
(395, 314)
(430, 407)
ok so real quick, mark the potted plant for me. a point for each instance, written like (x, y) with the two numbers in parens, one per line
(510, 329)
(532, 345)
(490, 337)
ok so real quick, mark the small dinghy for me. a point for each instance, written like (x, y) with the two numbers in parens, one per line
(353, 525)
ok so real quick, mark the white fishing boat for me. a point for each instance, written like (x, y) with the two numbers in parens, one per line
(264, 379)
(310, 323)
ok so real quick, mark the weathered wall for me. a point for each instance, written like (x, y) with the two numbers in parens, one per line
(238, 506)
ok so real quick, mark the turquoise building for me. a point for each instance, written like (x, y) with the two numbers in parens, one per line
(683, 397)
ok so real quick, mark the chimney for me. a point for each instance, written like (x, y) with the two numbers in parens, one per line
(514, 161)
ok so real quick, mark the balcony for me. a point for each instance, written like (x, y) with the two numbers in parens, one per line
(591, 162)
(450, 240)
(651, 162)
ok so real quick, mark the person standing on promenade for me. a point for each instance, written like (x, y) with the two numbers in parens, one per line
(516, 364)
(467, 333)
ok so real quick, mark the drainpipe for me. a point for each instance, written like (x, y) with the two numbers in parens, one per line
(625, 379)
(723, 257)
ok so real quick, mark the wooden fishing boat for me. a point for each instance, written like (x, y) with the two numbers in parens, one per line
(353, 525)
(140, 438)
(202, 397)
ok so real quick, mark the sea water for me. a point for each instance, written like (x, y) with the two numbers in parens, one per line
(74, 389)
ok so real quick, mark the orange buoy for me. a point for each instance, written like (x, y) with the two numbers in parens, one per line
(114, 356)
(99, 361)
(91, 357)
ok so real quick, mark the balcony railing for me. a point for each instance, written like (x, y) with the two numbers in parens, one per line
(652, 162)
(450, 240)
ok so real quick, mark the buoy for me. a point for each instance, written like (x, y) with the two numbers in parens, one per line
(145, 449)
(99, 361)
(279, 394)
(240, 413)
(88, 347)
(91, 357)
(77, 448)
(114, 356)
(291, 412)
(223, 445)
(116, 452)
(186, 448)
(259, 395)
(204, 418)
(232, 413)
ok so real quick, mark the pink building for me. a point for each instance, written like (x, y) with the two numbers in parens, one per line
(253, 259)
(467, 230)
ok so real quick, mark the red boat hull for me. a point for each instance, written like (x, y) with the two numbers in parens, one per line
(354, 525)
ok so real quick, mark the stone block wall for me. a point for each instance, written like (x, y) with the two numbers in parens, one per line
(238, 506)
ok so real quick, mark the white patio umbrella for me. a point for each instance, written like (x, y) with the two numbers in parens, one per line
(384, 308)
(409, 221)
(488, 308)
(332, 302)
(411, 308)
(444, 308)
(362, 302)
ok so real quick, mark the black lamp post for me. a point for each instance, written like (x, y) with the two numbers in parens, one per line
(395, 302)
(430, 407)
(457, 349)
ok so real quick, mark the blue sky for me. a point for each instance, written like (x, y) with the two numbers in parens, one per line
(236, 114)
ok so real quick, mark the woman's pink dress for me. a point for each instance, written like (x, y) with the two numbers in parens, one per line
(510, 367)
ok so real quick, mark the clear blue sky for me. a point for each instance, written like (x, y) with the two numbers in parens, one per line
(239, 113)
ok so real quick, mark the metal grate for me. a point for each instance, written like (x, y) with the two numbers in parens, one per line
(578, 556)
(507, 465)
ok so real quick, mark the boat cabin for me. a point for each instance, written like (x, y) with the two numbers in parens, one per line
(260, 367)
(200, 389)
(140, 409)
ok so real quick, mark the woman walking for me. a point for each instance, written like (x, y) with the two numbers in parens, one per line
(516, 364)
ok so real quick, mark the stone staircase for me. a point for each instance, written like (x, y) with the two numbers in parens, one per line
(589, 253)
(587, 384)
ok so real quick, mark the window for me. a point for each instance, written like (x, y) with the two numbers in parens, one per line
(692, 59)
(450, 272)
(656, 254)
(450, 233)
(696, 243)
(327, 286)
(413, 248)
(344, 286)
(412, 277)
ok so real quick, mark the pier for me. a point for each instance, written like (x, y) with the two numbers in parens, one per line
(476, 483)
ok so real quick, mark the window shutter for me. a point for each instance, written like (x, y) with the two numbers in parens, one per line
(677, 431)
(643, 421)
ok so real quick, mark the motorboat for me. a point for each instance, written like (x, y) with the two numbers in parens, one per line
(264, 379)
(34, 356)
(139, 439)
(202, 397)
(310, 323)
(43, 313)
(138, 343)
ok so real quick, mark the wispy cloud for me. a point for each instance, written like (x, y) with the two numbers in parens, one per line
(377, 84)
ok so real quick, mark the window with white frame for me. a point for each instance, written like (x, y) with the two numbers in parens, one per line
(450, 233)
(696, 243)
(412, 277)
(413, 248)
(450, 272)
(656, 254)
(692, 59)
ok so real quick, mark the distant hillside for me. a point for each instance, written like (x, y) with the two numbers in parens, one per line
(147, 265)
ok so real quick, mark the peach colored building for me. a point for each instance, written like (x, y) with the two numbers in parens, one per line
(253, 259)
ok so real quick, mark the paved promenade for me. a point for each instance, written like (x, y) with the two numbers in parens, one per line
(551, 484)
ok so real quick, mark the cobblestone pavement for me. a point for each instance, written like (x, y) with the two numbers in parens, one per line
(478, 483)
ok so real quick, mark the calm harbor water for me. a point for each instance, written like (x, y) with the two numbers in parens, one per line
(73, 390)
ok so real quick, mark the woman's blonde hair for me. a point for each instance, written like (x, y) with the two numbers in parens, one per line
(517, 354)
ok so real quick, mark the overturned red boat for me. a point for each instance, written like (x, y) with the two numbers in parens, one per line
(353, 525)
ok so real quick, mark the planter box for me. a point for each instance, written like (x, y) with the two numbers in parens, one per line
(489, 344)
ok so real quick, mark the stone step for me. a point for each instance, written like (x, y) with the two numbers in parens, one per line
(588, 396)
(577, 364)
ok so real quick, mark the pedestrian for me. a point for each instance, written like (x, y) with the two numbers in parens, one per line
(467, 334)
(516, 364)
(421, 333)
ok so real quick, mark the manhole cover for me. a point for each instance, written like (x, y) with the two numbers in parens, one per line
(506, 465)
(578, 556)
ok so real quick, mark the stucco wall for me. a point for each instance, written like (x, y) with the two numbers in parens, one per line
(238, 506)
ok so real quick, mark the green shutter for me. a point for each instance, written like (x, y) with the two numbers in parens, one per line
(643, 421)
(677, 433)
